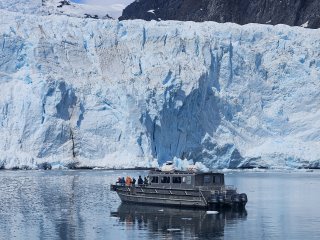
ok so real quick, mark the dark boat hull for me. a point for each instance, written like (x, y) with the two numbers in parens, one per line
(158, 200)
(186, 198)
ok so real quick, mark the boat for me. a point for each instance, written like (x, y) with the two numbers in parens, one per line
(183, 189)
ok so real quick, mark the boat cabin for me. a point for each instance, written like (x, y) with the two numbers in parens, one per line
(181, 179)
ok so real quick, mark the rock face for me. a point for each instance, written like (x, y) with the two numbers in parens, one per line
(103, 93)
(290, 12)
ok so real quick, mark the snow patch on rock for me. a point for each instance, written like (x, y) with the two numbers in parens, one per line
(56, 7)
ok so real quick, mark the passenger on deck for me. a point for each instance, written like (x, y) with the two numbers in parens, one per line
(145, 182)
(133, 181)
(122, 181)
(118, 182)
(128, 181)
(140, 181)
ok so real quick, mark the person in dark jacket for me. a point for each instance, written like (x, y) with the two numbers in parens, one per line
(122, 181)
(133, 181)
(145, 182)
(140, 181)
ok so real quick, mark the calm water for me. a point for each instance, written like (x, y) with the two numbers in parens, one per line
(79, 205)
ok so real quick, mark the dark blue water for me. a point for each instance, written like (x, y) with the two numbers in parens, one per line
(79, 205)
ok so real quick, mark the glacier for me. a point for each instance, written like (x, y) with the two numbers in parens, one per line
(105, 93)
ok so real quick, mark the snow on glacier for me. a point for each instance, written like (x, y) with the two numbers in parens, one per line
(104, 93)
(57, 7)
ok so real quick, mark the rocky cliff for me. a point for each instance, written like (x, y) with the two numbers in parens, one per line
(291, 12)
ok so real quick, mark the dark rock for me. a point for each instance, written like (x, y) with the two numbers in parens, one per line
(107, 16)
(314, 165)
(290, 12)
(72, 165)
(23, 167)
(63, 3)
(86, 15)
(45, 166)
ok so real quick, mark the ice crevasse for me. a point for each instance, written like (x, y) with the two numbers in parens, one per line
(104, 93)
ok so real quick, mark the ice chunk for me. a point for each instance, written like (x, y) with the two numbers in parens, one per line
(212, 212)
(173, 229)
(305, 25)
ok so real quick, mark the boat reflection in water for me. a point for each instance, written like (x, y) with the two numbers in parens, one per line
(187, 223)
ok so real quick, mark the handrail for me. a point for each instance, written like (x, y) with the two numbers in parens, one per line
(200, 188)
(208, 188)
(230, 187)
(205, 201)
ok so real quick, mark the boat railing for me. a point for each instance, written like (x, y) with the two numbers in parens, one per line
(210, 188)
(203, 197)
(230, 188)
(131, 185)
(217, 189)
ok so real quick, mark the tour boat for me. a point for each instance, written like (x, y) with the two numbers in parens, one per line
(182, 189)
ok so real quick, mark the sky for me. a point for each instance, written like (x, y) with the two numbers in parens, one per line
(115, 6)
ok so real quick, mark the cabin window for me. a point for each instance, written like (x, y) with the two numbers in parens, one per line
(206, 179)
(154, 179)
(188, 180)
(216, 179)
(165, 180)
(176, 179)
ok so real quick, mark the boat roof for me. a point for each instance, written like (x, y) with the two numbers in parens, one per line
(177, 172)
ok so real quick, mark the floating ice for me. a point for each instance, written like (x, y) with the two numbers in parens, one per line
(173, 229)
(212, 212)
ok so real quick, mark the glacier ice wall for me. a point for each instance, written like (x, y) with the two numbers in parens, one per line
(135, 93)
